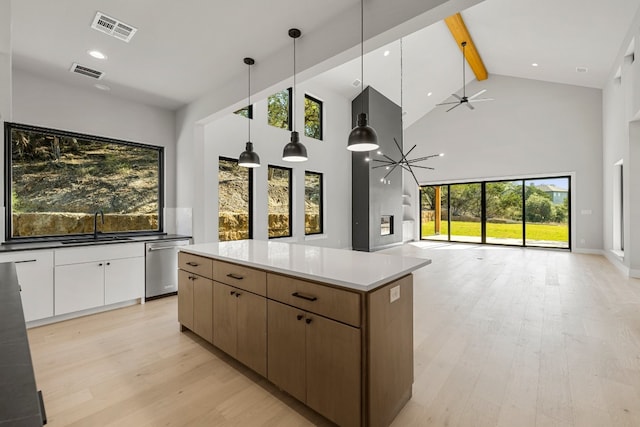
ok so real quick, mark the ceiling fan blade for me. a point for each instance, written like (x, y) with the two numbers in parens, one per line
(471, 107)
(481, 100)
(477, 94)
(459, 98)
(457, 105)
(449, 103)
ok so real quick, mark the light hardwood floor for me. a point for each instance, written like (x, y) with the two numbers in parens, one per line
(503, 337)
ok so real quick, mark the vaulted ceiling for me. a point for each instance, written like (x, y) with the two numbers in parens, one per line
(184, 49)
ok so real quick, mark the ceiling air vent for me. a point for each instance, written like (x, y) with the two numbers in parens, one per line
(86, 71)
(113, 27)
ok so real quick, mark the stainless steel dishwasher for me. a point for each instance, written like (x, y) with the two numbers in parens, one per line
(161, 268)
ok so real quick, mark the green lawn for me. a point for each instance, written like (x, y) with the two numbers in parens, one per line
(550, 232)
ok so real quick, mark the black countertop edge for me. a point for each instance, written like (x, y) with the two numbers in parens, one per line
(57, 244)
(19, 400)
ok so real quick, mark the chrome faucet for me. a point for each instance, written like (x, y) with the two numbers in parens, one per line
(95, 223)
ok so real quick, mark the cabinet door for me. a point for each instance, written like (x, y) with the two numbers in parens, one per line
(123, 280)
(185, 299)
(286, 349)
(333, 370)
(224, 318)
(252, 331)
(78, 287)
(35, 275)
(203, 307)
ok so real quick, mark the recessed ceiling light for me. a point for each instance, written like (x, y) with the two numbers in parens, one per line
(386, 53)
(430, 93)
(97, 54)
(582, 69)
(101, 87)
(535, 64)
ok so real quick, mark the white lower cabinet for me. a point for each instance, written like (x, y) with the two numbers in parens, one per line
(35, 276)
(79, 287)
(90, 277)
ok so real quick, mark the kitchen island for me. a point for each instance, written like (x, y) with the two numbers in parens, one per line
(331, 327)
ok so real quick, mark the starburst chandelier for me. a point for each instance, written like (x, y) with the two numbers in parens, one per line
(404, 162)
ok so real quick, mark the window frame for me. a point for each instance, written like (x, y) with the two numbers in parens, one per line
(250, 190)
(8, 176)
(321, 221)
(289, 91)
(290, 201)
(321, 109)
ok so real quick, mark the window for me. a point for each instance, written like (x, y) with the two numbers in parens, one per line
(245, 112)
(312, 117)
(523, 212)
(279, 201)
(279, 109)
(235, 201)
(56, 180)
(386, 225)
(313, 203)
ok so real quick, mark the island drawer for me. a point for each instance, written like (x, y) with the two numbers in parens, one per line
(196, 264)
(337, 304)
(246, 278)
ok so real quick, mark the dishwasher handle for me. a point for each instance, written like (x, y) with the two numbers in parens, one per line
(161, 248)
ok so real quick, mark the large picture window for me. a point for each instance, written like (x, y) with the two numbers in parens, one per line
(279, 201)
(523, 212)
(55, 181)
(235, 201)
(313, 221)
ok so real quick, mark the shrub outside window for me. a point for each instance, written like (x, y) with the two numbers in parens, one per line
(235, 200)
(279, 201)
(245, 112)
(312, 117)
(279, 109)
(55, 181)
(313, 218)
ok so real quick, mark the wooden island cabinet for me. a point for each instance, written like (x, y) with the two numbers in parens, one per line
(332, 328)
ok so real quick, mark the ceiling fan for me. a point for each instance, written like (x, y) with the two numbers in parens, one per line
(464, 99)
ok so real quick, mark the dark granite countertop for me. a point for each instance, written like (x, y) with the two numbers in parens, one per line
(19, 402)
(57, 244)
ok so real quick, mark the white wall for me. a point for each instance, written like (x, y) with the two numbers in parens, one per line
(532, 129)
(227, 136)
(621, 142)
(41, 102)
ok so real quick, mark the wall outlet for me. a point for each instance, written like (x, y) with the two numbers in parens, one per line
(394, 293)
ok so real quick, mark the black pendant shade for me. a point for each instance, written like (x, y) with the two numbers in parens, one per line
(362, 137)
(249, 158)
(294, 151)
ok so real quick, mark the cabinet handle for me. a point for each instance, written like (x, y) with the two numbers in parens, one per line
(235, 276)
(303, 296)
(299, 316)
(232, 293)
(108, 263)
(193, 264)
(308, 320)
(100, 265)
(238, 294)
(26, 260)
(192, 277)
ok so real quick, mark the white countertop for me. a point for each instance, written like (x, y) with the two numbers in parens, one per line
(363, 271)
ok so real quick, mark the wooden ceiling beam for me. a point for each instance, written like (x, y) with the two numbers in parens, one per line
(461, 34)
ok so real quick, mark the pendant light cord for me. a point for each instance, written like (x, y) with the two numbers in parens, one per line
(361, 55)
(293, 94)
(249, 105)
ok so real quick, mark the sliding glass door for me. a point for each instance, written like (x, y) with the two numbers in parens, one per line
(504, 212)
(523, 212)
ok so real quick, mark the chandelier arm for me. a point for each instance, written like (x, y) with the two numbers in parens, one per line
(422, 167)
(384, 166)
(391, 170)
(408, 168)
(387, 157)
(419, 159)
(390, 161)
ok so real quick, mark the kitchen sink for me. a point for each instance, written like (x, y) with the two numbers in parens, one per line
(96, 240)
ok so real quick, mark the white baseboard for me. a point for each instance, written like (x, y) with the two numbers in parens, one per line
(634, 274)
(617, 262)
(62, 317)
(588, 251)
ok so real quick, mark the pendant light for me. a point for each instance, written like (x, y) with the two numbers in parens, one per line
(249, 158)
(294, 151)
(362, 137)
